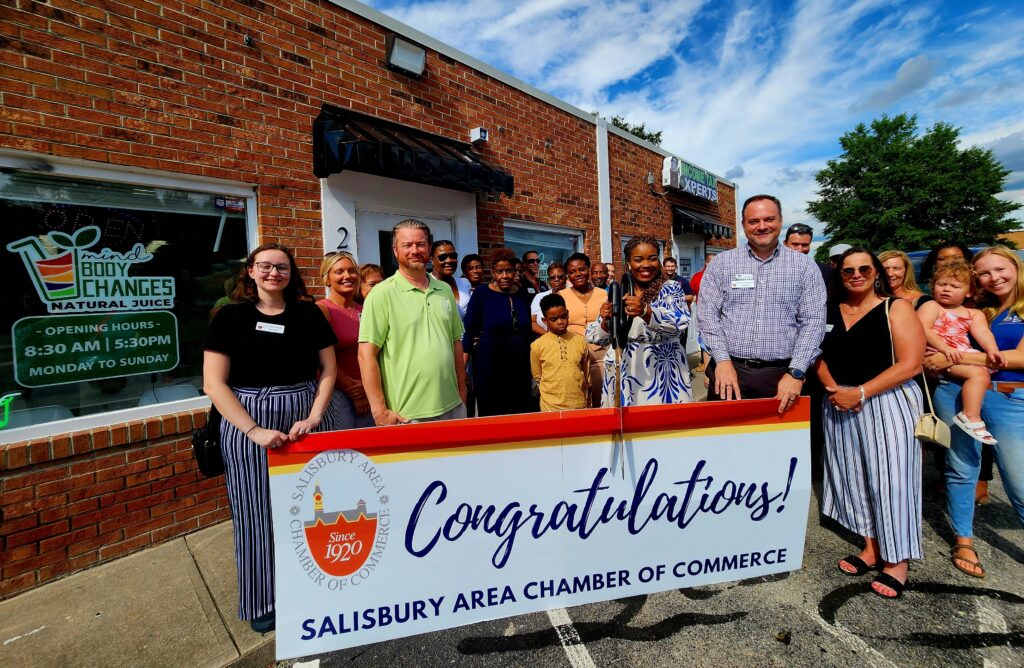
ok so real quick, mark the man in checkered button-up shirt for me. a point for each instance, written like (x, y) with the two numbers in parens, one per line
(761, 312)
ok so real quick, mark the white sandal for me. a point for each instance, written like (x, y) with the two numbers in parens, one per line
(976, 430)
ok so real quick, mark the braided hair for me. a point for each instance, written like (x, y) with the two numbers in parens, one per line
(650, 293)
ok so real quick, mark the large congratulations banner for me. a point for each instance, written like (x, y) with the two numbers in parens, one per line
(394, 531)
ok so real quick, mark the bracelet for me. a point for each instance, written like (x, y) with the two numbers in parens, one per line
(256, 425)
(862, 397)
(647, 307)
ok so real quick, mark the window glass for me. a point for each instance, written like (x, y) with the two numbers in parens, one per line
(112, 286)
(552, 246)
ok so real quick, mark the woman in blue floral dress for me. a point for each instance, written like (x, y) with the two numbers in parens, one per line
(654, 368)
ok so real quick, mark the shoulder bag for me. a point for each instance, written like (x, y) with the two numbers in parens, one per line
(206, 445)
(929, 428)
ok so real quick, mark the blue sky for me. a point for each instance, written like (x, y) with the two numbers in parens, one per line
(758, 92)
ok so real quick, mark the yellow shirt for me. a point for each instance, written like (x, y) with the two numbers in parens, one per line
(557, 363)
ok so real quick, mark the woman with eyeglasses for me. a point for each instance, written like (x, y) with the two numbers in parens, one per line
(349, 405)
(269, 369)
(583, 302)
(446, 260)
(873, 347)
(556, 281)
(653, 365)
(497, 338)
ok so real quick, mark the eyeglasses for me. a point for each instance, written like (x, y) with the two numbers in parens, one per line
(799, 228)
(556, 277)
(865, 270)
(504, 272)
(444, 257)
(532, 260)
(267, 267)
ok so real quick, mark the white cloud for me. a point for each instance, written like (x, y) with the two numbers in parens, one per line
(767, 91)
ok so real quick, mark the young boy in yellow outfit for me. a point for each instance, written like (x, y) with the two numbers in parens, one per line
(560, 360)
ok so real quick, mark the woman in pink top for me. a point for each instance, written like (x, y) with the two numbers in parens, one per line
(341, 276)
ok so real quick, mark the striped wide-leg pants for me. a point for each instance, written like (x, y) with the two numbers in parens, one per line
(245, 469)
(873, 471)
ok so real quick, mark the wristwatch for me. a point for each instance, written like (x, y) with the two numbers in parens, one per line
(796, 373)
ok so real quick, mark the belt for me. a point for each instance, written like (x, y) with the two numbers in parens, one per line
(761, 364)
(1007, 387)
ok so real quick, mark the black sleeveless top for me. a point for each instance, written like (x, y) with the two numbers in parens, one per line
(857, 355)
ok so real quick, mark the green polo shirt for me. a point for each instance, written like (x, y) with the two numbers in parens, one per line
(415, 331)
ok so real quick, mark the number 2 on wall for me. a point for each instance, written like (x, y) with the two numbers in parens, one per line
(343, 244)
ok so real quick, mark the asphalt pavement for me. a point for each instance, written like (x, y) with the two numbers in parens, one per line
(175, 605)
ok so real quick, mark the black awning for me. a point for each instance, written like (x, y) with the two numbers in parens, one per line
(344, 139)
(694, 222)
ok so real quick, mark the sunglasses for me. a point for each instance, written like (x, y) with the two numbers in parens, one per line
(800, 229)
(445, 257)
(556, 277)
(865, 270)
(532, 260)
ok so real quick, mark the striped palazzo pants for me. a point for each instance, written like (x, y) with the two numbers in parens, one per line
(873, 471)
(245, 469)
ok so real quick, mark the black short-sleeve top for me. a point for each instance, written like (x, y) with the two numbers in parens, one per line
(857, 355)
(270, 350)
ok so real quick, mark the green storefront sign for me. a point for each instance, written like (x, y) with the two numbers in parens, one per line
(59, 349)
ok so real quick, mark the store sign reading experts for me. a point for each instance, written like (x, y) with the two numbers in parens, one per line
(681, 175)
(108, 323)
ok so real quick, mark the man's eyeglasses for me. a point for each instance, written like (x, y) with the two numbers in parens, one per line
(532, 260)
(865, 270)
(267, 267)
(444, 257)
(799, 228)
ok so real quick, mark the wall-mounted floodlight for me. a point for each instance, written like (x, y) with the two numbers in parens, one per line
(405, 56)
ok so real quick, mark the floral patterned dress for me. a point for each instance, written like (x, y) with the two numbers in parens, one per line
(654, 368)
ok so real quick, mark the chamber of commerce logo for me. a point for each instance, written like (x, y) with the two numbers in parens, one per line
(340, 540)
(71, 279)
(340, 521)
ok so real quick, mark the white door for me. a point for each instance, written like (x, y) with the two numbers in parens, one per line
(373, 235)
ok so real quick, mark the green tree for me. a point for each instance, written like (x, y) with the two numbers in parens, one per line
(893, 188)
(639, 130)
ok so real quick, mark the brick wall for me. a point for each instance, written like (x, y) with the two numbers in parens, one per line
(72, 501)
(173, 86)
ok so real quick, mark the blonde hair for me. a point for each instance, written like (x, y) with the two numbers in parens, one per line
(331, 259)
(986, 300)
(909, 283)
(961, 271)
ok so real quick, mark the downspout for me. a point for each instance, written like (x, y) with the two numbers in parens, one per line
(604, 194)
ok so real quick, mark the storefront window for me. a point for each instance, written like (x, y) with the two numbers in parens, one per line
(553, 245)
(111, 290)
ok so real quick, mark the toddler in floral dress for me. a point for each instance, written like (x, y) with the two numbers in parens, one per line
(947, 323)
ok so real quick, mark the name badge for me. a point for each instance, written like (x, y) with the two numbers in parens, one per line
(269, 327)
(742, 281)
(828, 328)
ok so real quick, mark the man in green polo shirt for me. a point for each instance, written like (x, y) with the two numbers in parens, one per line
(410, 339)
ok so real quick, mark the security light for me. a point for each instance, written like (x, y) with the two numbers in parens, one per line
(405, 56)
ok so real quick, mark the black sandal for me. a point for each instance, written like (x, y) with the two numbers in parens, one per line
(889, 581)
(858, 563)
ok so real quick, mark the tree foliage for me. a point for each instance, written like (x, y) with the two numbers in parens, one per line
(639, 130)
(893, 188)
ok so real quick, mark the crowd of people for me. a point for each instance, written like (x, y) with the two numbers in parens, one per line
(427, 344)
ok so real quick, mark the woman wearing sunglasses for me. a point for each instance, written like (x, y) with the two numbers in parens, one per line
(446, 261)
(269, 368)
(497, 338)
(873, 348)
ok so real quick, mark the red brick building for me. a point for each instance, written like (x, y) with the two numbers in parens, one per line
(146, 147)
